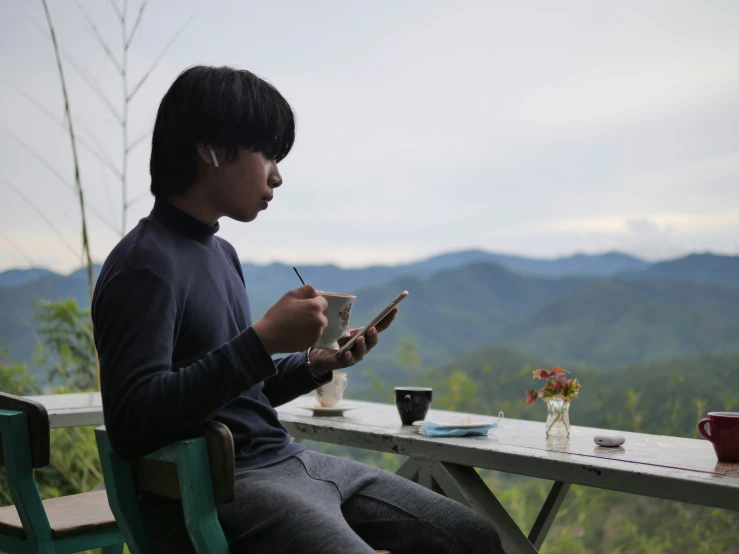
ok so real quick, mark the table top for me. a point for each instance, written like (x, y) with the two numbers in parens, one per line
(653, 465)
(79, 409)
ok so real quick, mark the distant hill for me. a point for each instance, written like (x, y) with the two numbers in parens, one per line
(708, 268)
(14, 277)
(267, 283)
(591, 319)
(599, 265)
(621, 321)
(610, 263)
(82, 272)
(597, 322)
(457, 310)
(270, 281)
(18, 306)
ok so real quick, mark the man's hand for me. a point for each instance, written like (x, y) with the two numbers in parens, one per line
(323, 360)
(294, 323)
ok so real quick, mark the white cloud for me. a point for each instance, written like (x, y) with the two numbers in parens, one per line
(639, 91)
(423, 126)
(639, 223)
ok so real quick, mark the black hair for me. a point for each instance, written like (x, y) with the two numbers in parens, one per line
(220, 107)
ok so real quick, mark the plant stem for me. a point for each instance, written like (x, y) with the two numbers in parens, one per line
(77, 179)
(124, 124)
(560, 417)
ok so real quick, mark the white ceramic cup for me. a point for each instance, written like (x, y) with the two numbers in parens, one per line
(330, 394)
(337, 313)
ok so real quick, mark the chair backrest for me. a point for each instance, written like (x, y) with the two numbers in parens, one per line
(122, 497)
(38, 427)
(160, 477)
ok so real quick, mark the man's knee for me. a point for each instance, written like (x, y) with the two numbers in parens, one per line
(328, 535)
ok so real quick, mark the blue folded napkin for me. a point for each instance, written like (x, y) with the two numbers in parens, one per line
(430, 429)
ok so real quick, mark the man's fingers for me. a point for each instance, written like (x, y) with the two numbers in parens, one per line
(360, 349)
(306, 291)
(355, 355)
(372, 338)
(346, 360)
(348, 335)
(387, 320)
(322, 303)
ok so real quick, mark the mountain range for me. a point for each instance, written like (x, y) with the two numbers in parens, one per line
(581, 321)
(334, 277)
(596, 311)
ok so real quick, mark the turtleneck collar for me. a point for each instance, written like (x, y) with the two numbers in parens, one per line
(182, 222)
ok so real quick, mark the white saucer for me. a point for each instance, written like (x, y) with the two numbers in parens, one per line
(337, 410)
(473, 423)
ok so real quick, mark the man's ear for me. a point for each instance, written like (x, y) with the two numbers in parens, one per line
(207, 154)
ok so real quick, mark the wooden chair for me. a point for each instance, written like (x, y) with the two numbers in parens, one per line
(176, 472)
(200, 472)
(56, 526)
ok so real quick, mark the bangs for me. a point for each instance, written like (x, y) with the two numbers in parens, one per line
(252, 114)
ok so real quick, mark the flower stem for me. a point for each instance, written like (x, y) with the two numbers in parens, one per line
(559, 416)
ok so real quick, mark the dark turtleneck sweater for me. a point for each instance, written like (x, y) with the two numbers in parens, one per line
(173, 330)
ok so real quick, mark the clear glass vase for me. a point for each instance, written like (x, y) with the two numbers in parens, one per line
(558, 418)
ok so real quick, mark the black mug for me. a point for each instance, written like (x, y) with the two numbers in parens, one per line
(413, 403)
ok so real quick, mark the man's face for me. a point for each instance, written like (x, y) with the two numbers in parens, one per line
(242, 188)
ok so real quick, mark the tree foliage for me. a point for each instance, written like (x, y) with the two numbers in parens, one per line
(659, 397)
(67, 343)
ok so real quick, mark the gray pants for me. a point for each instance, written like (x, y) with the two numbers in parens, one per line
(314, 503)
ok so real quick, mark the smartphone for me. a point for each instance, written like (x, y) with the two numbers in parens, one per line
(377, 319)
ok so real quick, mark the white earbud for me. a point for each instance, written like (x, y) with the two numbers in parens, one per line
(213, 156)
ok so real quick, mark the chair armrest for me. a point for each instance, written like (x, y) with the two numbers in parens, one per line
(158, 472)
(38, 427)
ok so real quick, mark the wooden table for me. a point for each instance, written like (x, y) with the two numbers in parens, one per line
(79, 409)
(672, 468)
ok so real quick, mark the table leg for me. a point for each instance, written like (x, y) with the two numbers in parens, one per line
(548, 512)
(410, 469)
(426, 477)
(463, 484)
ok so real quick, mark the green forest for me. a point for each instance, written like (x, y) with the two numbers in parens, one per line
(652, 356)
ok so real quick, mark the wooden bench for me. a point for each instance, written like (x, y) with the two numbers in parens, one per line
(67, 524)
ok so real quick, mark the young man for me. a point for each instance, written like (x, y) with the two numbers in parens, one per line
(178, 348)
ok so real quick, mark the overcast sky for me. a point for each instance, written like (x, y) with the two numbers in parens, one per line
(539, 128)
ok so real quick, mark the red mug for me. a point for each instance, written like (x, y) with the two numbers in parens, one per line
(723, 432)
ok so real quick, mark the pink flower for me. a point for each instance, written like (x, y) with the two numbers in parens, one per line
(557, 372)
(541, 374)
(556, 386)
(551, 389)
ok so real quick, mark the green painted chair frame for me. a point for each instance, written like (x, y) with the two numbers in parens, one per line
(174, 471)
(24, 446)
(177, 471)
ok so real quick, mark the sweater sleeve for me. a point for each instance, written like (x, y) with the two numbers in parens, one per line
(148, 403)
(293, 379)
